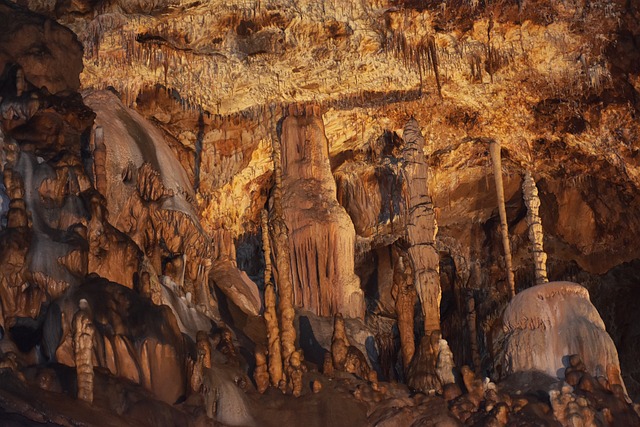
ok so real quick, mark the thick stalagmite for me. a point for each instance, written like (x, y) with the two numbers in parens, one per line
(547, 323)
(321, 234)
(421, 226)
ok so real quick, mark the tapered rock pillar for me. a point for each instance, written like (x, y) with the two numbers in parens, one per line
(280, 235)
(421, 226)
(536, 236)
(83, 337)
(496, 159)
(404, 294)
(270, 315)
(321, 234)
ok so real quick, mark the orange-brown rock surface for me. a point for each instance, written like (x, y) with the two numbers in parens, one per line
(321, 234)
(421, 226)
(141, 142)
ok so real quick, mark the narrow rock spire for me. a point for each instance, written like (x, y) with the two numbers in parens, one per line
(536, 235)
(494, 149)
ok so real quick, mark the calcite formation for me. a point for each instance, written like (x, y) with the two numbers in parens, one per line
(421, 226)
(83, 341)
(321, 234)
(270, 315)
(432, 367)
(405, 296)
(546, 324)
(346, 357)
(496, 161)
(202, 201)
(536, 236)
(280, 234)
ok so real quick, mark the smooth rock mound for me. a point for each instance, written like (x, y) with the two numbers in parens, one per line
(547, 323)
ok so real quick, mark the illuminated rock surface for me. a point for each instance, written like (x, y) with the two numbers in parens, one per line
(141, 142)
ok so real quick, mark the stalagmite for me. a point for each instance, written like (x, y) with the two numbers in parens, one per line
(20, 83)
(270, 315)
(473, 332)
(545, 323)
(327, 365)
(421, 226)
(197, 374)
(294, 374)
(280, 236)
(83, 336)
(273, 335)
(421, 373)
(345, 357)
(339, 343)
(227, 348)
(532, 201)
(261, 374)
(494, 149)
(405, 295)
(445, 364)
(99, 160)
(204, 347)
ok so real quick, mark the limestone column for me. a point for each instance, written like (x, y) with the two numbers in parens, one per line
(536, 235)
(494, 149)
(404, 294)
(421, 226)
(280, 236)
(270, 315)
(83, 335)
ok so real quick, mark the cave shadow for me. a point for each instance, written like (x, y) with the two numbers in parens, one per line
(373, 355)
(313, 351)
(565, 364)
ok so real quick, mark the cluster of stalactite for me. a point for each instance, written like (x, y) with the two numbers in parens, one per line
(422, 56)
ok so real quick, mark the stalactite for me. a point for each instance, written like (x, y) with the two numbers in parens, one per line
(322, 236)
(532, 201)
(494, 149)
(433, 57)
(489, 50)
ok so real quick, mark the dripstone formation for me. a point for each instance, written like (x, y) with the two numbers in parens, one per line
(303, 213)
